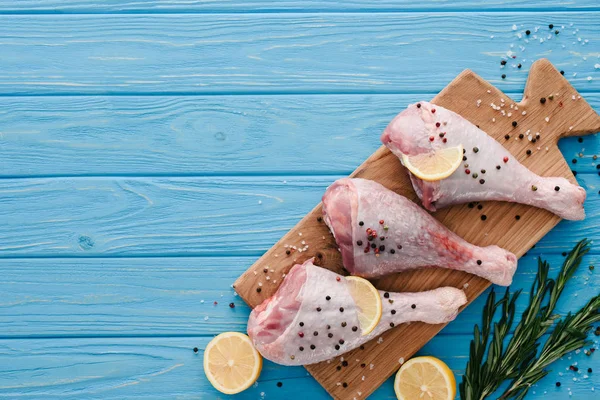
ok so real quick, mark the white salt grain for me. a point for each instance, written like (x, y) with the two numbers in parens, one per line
(547, 119)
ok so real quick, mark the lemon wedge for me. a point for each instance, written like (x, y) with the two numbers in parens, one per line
(231, 363)
(368, 301)
(425, 378)
(434, 166)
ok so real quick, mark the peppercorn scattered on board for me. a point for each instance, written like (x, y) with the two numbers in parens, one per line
(515, 227)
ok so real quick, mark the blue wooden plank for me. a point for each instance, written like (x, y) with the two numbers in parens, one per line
(158, 368)
(97, 217)
(194, 6)
(276, 53)
(175, 296)
(206, 135)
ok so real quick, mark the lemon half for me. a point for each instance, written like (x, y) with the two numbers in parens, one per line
(231, 363)
(367, 300)
(425, 378)
(434, 166)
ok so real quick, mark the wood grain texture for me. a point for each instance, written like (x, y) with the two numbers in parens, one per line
(175, 296)
(207, 135)
(224, 216)
(239, 6)
(291, 53)
(500, 229)
(159, 368)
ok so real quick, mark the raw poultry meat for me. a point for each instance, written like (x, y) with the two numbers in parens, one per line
(380, 232)
(312, 317)
(489, 171)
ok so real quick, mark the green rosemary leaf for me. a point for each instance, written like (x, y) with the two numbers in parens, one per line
(491, 362)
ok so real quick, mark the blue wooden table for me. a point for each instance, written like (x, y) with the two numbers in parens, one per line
(151, 151)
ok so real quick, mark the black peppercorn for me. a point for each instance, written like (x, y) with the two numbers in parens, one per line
(503, 76)
(483, 217)
(543, 100)
(503, 62)
(514, 124)
(506, 137)
(517, 217)
(413, 306)
(557, 188)
(386, 295)
(479, 262)
(498, 167)
(528, 152)
(312, 347)
(528, 32)
(562, 72)
(327, 298)
(195, 349)
(521, 136)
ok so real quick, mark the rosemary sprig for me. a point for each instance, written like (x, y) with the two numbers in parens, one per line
(568, 335)
(518, 361)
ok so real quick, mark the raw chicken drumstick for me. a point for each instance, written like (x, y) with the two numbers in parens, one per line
(492, 173)
(312, 317)
(380, 232)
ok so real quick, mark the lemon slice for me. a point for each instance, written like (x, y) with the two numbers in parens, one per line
(434, 166)
(231, 363)
(367, 300)
(425, 378)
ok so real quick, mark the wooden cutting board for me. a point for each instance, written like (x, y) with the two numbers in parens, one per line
(566, 114)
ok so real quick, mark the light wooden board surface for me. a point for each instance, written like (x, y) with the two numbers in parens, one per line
(566, 117)
(129, 299)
